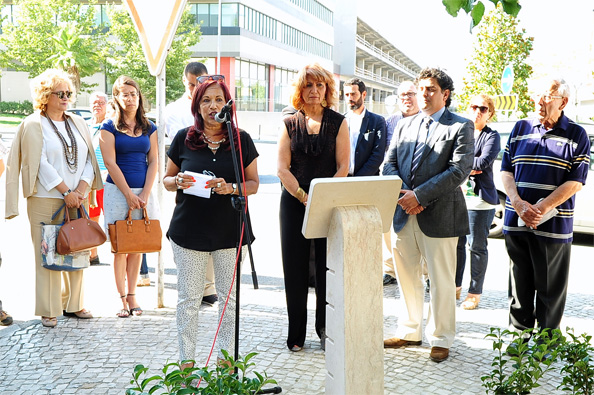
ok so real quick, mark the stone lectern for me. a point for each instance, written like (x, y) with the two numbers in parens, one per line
(353, 213)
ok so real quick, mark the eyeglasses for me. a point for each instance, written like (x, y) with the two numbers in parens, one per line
(215, 77)
(547, 98)
(61, 94)
(132, 95)
(482, 109)
(407, 95)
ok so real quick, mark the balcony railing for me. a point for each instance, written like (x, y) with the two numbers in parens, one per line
(375, 77)
(386, 57)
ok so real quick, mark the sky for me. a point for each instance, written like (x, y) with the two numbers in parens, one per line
(563, 32)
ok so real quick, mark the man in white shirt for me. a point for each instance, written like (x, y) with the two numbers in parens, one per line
(178, 116)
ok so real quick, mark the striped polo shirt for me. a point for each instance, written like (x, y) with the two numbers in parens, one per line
(541, 161)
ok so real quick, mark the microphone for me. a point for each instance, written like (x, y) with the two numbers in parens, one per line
(222, 115)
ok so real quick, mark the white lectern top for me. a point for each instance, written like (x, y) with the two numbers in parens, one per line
(327, 193)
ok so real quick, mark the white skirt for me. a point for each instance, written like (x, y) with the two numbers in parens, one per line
(115, 206)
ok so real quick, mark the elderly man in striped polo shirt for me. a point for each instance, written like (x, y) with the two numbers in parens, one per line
(545, 163)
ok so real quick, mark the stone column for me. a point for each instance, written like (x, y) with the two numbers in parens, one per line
(354, 292)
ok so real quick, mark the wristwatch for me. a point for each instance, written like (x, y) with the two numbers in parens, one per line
(66, 193)
(234, 185)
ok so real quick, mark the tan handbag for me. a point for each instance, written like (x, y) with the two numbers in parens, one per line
(80, 234)
(135, 236)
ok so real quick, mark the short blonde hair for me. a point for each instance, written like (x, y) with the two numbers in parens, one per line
(317, 73)
(44, 84)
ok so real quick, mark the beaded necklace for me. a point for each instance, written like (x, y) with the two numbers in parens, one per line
(217, 143)
(70, 152)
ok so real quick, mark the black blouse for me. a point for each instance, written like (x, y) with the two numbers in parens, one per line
(207, 224)
(313, 155)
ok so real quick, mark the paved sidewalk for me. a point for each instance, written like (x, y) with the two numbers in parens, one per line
(97, 356)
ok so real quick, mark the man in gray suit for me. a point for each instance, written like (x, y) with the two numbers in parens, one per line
(432, 153)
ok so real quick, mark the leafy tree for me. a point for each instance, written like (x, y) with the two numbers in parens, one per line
(126, 57)
(476, 8)
(499, 42)
(53, 34)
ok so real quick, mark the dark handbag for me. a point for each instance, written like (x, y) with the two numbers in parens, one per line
(135, 236)
(80, 234)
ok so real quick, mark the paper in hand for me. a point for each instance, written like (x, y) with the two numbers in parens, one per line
(548, 215)
(199, 187)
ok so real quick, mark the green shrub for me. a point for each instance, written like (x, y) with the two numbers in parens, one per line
(229, 377)
(15, 107)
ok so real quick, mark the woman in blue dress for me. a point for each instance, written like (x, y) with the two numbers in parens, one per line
(129, 147)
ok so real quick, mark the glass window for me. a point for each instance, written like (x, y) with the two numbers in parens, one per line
(202, 14)
(253, 70)
(214, 15)
(229, 15)
(242, 16)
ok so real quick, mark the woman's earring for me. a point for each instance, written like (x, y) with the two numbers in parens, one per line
(324, 102)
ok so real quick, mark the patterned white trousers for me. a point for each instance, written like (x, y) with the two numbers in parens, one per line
(191, 274)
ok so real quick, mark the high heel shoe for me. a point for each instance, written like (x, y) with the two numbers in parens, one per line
(135, 311)
(123, 313)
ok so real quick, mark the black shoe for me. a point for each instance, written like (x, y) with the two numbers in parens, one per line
(95, 261)
(389, 280)
(209, 300)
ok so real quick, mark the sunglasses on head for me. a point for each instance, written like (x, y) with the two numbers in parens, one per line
(61, 94)
(482, 109)
(216, 77)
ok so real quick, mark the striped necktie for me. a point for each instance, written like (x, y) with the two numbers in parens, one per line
(419, 147)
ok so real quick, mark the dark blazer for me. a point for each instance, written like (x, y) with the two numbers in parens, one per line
(371, 145)
(486, 149)
(445, 164)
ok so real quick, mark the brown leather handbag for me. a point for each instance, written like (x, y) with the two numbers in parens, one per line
(80, 234)
(135, 236)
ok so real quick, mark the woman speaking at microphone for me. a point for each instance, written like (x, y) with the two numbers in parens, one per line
(207, 226)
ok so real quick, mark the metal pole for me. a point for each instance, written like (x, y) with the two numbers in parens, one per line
(219, 38)
(160, 187)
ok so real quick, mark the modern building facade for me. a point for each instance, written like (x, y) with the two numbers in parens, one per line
(263, 43)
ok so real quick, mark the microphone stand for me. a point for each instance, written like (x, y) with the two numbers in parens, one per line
(239, 204)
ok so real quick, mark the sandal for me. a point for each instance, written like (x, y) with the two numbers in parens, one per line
(135, 311)
(471, 302)
(49, 322)
(123, 313)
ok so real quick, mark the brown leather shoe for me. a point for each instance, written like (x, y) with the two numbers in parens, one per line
(439, 354)
(396, 342)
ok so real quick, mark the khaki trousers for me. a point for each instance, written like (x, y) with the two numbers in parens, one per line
(411, 245)
(51, 295)
(387, 254)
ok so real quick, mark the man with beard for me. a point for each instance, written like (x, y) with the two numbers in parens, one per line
(367, 131)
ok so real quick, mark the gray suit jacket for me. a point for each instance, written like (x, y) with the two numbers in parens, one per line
(445, 164)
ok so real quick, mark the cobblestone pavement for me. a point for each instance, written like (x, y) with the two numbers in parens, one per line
(97, 356)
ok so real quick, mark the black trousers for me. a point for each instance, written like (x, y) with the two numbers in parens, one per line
(295, 253)
(538, 277)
